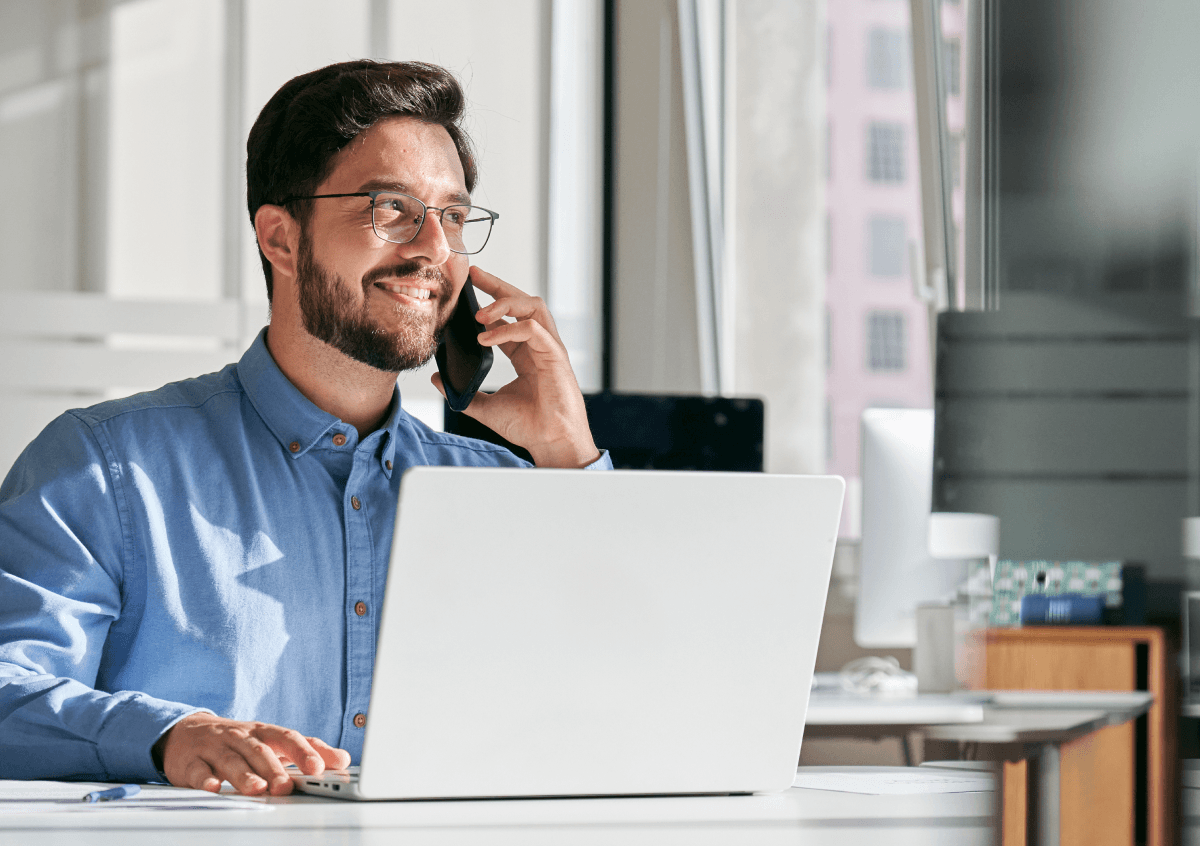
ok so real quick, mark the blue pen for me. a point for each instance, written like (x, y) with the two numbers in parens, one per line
(122, 792)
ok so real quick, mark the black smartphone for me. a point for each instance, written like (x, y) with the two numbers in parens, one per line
(461, 359)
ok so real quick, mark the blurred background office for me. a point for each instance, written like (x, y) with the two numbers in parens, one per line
(715, 197)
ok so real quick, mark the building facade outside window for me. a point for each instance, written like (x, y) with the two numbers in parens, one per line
(878, 329)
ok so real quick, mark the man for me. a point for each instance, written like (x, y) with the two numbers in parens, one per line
(190, 579)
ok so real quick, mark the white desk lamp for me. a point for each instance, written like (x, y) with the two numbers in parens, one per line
(955, 536)
(959, 536)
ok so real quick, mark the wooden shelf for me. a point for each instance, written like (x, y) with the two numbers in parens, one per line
(1098, 772)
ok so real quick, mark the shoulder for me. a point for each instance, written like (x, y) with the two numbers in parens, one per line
(188, 394)
(84, 439)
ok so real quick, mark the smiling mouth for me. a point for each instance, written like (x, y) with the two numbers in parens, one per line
(406, 290)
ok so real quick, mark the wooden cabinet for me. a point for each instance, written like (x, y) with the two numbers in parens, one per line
(1098, 798)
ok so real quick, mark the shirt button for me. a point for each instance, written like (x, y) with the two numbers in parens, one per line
(387, 464)
(360, 720)
(360, 608)
(354, 501)
(339, 439)
(294, 446)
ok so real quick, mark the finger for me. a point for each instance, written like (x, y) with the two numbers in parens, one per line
(229, 765)
(507, 348)
(199, 776)
(493, 285)
(518, 308)
(528, 332)
(337, 759)
(291, 744)
(266, 764)
(436, 379)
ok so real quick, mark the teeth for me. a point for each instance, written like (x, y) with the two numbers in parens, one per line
(415, 293)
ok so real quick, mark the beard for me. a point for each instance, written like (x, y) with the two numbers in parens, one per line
(330, 314)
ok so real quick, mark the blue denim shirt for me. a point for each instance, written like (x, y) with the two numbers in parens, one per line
(203, 546)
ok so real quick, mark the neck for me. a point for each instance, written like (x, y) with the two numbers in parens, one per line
(332, 381)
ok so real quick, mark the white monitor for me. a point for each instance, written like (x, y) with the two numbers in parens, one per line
(896, 572)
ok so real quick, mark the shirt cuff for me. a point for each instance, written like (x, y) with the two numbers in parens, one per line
(130, 733)
(604, 462)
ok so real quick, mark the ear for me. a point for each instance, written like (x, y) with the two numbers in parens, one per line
(278, 235)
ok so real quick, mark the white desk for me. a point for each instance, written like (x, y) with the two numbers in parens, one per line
(1026, 724)
(847, 709)
(812, 817)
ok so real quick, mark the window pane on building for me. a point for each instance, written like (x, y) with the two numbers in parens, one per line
(887, 56)
(885, 341)
(885, 152)
(886, 244)
(952, 56)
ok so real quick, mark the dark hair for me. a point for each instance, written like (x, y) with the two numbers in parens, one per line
(312, 117)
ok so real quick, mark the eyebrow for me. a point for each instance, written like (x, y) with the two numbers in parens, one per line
(455, 198)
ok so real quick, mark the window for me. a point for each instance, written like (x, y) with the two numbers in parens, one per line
(886, 244)
(885, 152)
(885, 341)
(886, 58)
(952, 57)
(955, 152)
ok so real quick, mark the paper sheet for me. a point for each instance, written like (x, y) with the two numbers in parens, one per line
(61, 797)
(893, 780)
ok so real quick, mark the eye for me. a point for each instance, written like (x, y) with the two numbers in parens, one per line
(454, 217)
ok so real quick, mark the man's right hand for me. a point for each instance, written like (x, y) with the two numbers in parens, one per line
(202, 750)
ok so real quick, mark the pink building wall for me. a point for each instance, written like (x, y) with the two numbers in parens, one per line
(852, 198)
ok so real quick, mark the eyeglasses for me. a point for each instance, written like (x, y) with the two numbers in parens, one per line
(398, 218)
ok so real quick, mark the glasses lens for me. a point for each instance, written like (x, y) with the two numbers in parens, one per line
(467, 228)
(397, 217)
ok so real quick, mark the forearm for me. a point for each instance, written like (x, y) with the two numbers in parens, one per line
(54, 727)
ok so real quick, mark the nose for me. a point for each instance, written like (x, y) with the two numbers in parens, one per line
(430, 246)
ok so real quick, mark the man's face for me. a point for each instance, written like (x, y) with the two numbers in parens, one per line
(380, 303)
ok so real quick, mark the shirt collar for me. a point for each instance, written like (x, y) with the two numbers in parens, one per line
(293, 419)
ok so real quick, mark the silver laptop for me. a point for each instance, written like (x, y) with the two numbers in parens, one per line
(573, 633)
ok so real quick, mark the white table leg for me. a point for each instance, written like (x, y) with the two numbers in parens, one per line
(1048, 799)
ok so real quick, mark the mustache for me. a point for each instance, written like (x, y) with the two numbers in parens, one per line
(404, 270)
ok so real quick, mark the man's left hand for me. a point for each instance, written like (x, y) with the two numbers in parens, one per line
(542, 409)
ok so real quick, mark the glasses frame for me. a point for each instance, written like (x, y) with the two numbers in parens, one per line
(494, 216)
